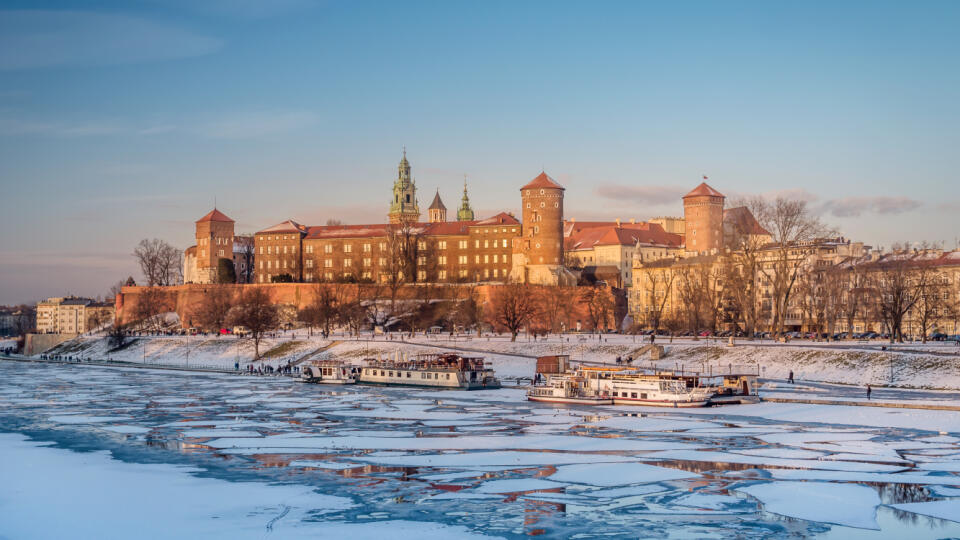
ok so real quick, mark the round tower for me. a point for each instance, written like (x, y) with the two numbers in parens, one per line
(538, 253)
(703, 218)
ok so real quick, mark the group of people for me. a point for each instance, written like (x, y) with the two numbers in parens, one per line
(269, 370)
(628, 360)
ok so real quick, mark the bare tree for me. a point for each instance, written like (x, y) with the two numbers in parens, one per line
(599, 305)
(247, 259)
(151, 303)
(215, 305)
(899, 288)
(933, 299)
(555, 305)
(854, 297)
(514, 305)
(794, 229)
(257, 313)
(161, 263)
(115, 290)
(659, 287)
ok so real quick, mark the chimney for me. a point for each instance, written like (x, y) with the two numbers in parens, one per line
(618, 223)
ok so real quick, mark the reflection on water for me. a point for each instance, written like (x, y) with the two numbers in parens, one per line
(178, 418)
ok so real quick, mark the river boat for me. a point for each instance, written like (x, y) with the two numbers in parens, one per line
(445, 370)
(328, 372)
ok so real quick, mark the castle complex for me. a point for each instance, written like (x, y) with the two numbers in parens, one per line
(543, 248)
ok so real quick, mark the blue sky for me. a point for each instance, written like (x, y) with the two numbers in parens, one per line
(123, 120)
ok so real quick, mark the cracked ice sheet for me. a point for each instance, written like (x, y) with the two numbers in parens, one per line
(280, 444)
(49, 480)
(81, 419)
(848, 476)
(503, 458)
(635, 423)
(949, 509)
(517, 485)
(725, 457)
(921, 419)
(617, 474)
(850, 505)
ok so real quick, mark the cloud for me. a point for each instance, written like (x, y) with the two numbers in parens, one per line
(654, 195)
(245, 125)
(854, 206)
(44, 39)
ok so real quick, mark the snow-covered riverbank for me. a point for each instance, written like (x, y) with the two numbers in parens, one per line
(935, 366)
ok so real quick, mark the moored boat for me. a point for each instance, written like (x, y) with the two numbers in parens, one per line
(445, 370)
(328, 372)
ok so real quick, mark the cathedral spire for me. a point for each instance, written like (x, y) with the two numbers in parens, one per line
(465, 213)
(403, 206)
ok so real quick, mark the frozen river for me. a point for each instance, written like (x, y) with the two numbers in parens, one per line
(92, 452)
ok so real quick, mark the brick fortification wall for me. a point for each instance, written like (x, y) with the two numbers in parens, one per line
(184, 299)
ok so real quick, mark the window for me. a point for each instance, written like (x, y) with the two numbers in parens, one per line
(476, 244)
(284, 263)
(528, 205)
(476, 259)
(462, 244)
(328, 248)
(486, 259)
(261, 250)
(421, 245)
(383, 261)
(543, 205)
(486, 272)
(328, 263)
(269, 250)
(421, 261)
(486, 243)
(442, 244)
(366, 248)
(541, 192)
(348, 248)
(443, 274)
(367, 262)
(347, 263)
(383, 246)
(494, 272)
(308, 277)
(309, 263)
(269, 265)
(495, 258)
(284, 250)
(421, 275)
(442, 259)
(309, 249)
(367, 275)
(463, 272)
(328, 276)
(462, 259)
(504, 242)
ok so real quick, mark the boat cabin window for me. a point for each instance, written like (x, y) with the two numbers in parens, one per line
(643, 396)
(448, 376)
(633, 394)
(408, 374)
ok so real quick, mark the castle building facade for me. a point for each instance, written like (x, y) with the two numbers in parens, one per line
(403, 248)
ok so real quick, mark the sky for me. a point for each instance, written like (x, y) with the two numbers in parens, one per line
(124, 120)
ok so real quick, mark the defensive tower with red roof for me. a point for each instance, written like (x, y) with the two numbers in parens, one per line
(538, 253)
(703, 216)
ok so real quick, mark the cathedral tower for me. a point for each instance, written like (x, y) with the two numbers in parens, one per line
(403, 207)
(437, 212)
(538, 254)
(703, 218)
(465, 213)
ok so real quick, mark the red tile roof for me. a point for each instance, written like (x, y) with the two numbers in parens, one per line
(703, 190)
(215, 215)
(287, 226)
(611, 235)
(443, 228)
(543, 181)
(743, 219)
(502, 218)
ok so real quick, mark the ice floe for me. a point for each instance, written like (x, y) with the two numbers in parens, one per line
(850, 505)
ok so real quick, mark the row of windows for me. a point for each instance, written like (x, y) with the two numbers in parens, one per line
(442, 275)
(276, 264)
(275, 250)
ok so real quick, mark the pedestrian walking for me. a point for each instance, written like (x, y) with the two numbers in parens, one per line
(869, 391)
(791, 376)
